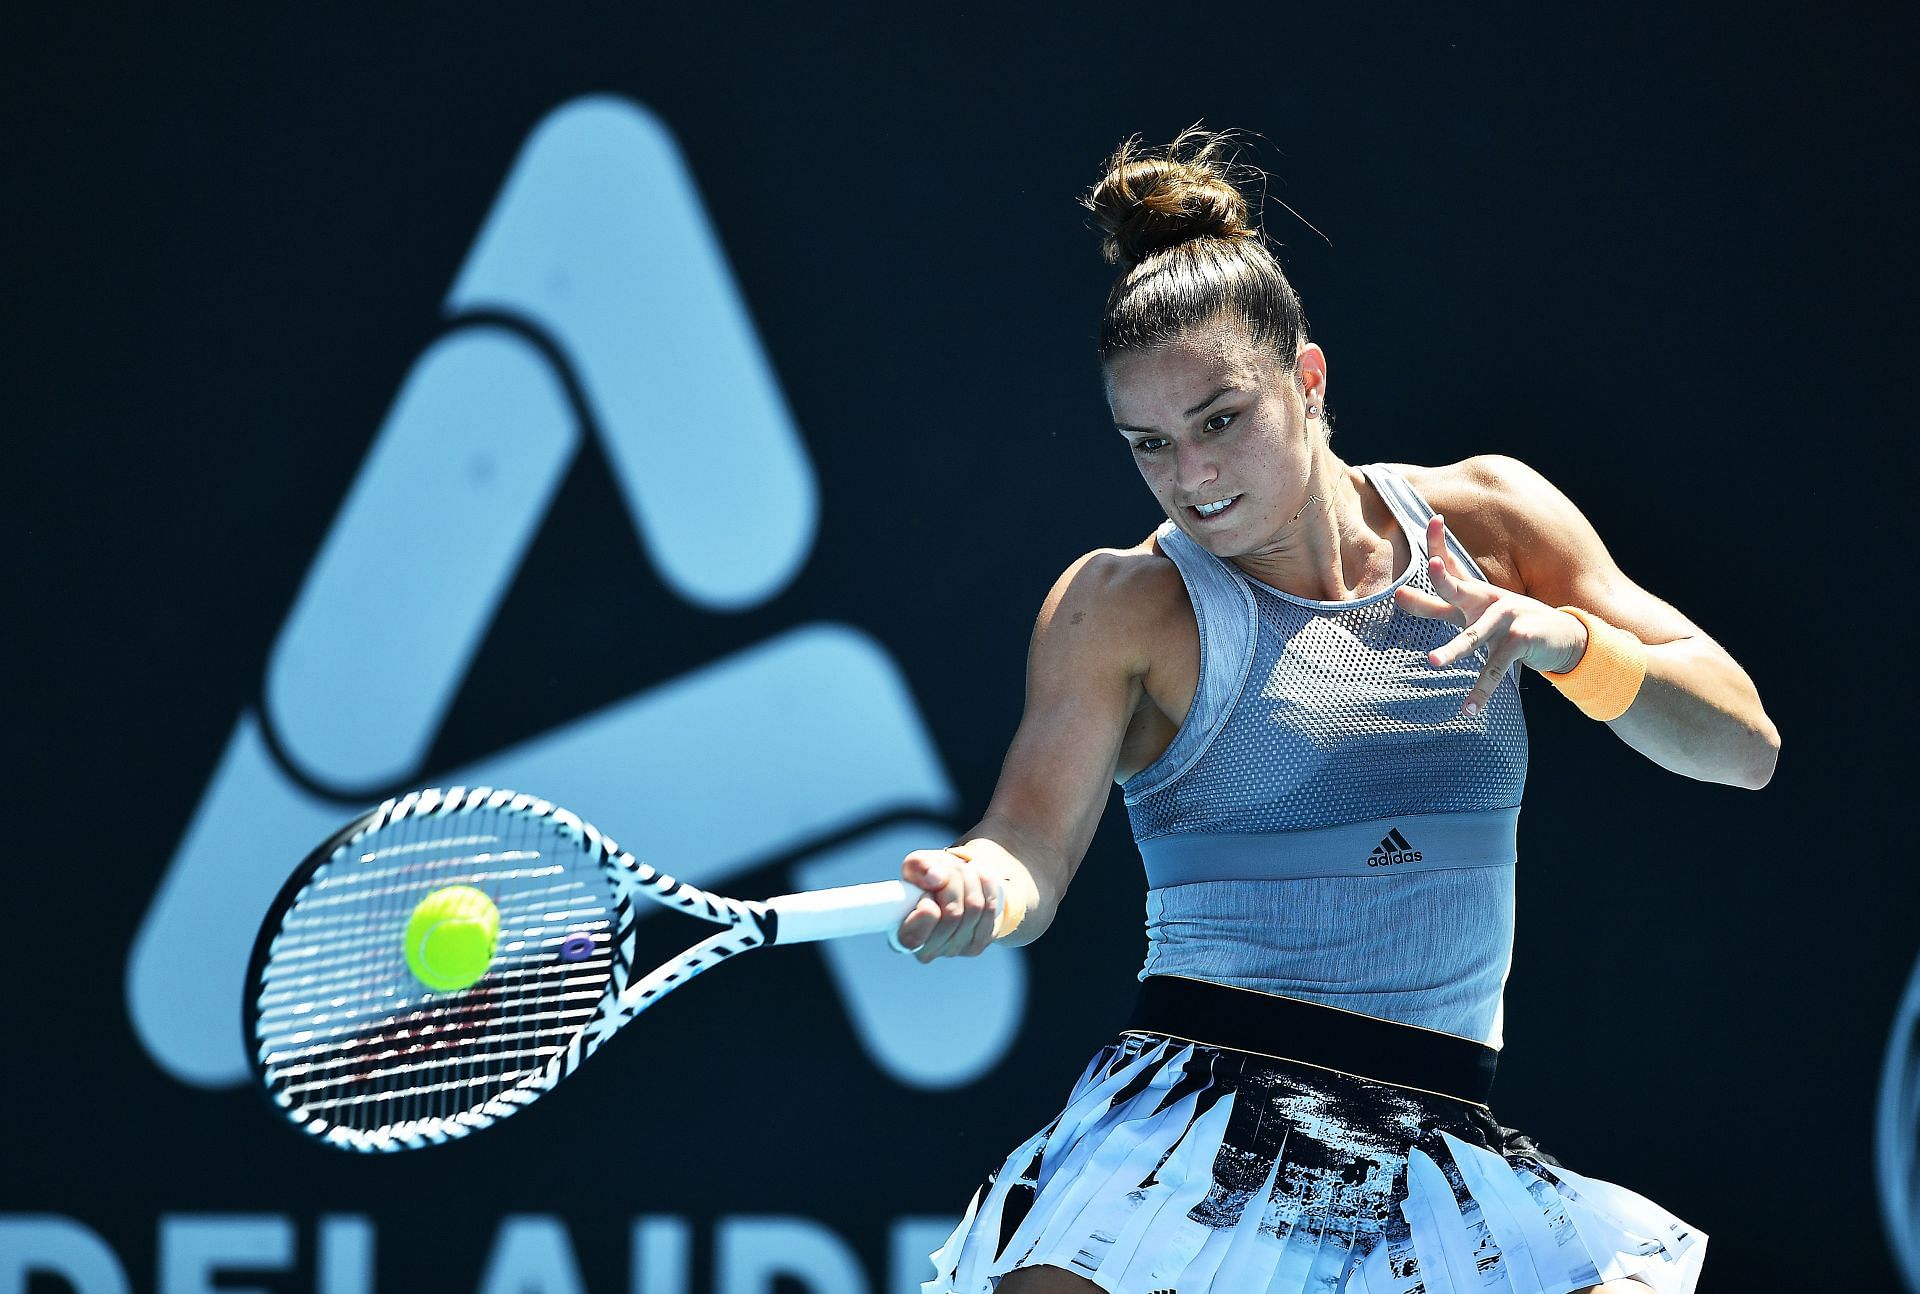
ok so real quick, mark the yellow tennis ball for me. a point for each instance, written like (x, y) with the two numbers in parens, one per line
(451, 937)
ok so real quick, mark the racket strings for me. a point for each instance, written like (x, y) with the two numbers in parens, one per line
(438, 842)
(347, 1033)
(347, 959)
(364, 1055)
(308, 1002)
(583, 976)
(487, 1054)
(326, 982)
(339, 1051)
(481, 876)
(367, 1082)
(430, 1010)
(422, 1090)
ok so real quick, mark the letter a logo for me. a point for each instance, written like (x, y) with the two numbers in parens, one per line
(595, 306)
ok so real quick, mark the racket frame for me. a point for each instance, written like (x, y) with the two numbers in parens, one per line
(793, 918)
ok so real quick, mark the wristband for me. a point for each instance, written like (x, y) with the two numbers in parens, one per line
(1013, 892)
(1608, 675)
(1013, 909)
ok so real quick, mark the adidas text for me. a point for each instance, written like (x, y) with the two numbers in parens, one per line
(1387, 860)
(1393, 848)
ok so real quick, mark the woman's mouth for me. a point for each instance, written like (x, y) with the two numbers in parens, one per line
(1212, 510)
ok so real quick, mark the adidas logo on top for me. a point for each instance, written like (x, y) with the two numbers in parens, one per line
(1393, 848)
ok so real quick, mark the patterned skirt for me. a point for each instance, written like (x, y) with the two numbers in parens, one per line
(1184, 1166)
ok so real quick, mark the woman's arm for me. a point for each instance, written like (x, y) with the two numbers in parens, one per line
(1696, 713)
(1084, 683)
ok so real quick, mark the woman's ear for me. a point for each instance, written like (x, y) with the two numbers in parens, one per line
(1310, 367)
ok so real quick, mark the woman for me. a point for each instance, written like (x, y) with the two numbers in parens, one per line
(1305, 683)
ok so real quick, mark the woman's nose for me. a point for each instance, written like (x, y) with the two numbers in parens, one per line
(1195, 469)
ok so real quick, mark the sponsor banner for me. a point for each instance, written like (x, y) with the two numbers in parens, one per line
(518, 1254)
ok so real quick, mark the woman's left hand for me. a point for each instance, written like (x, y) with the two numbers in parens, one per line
(1510, 626)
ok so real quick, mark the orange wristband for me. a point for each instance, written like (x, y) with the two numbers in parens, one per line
(1014, 909)
(1014, 891)
(1607, 677)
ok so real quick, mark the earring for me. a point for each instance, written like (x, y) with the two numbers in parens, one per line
(1313, 411)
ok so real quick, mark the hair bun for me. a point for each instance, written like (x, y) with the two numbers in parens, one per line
(1149, 201)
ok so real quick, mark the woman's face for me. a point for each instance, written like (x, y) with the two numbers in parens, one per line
(1217, 427)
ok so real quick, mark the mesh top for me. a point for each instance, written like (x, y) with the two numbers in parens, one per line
(1339, 718)
(1314, 715)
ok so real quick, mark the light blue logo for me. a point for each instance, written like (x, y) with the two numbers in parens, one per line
(595, 301)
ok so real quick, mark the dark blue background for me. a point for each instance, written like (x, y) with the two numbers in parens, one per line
(1664, 256)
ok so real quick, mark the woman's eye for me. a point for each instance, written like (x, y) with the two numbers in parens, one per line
(1219, 421)
(1152, 445)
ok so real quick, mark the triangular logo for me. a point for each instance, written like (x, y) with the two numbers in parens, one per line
(595, 301)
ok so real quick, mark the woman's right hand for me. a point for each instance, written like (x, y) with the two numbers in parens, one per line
(961, 905)
(1090, 651)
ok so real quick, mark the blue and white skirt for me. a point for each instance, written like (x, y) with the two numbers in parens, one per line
(1191, 1166)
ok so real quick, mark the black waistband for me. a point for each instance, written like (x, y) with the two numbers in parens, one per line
(1290, 1028)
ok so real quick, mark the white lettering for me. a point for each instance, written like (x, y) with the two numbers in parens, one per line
(751, 1253)
(197, 1248)
(45, 1244)
(532, 1254)
(344, 1264)
(662, 1255)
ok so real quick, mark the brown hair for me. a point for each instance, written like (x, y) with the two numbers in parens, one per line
(1176, 224)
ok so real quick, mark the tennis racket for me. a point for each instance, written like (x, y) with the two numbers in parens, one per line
(356, 1047)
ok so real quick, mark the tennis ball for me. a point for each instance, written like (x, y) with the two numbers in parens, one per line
(451, 936)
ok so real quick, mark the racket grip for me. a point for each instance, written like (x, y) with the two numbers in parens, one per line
(849, 910)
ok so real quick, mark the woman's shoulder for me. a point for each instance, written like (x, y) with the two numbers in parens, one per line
(1113, 609)
(1494, 504)
(1483, 483)
(1141, 578)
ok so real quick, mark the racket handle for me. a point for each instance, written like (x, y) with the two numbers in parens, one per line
(849, 910)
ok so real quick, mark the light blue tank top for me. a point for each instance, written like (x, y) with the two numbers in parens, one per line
(1326, 824)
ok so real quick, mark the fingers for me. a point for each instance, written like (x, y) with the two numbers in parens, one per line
(1425, 604)
(1488, 631)
(1444, 581)
(987, 928)
(949, 920)
(1461, 597)
(961, 904)
(1450, 581)
(927, 869)
(1437, 547)
(1480, 695)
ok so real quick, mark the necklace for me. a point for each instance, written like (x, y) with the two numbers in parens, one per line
(1303, 507)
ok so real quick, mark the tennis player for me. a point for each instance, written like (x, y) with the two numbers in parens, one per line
(1306, 683)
